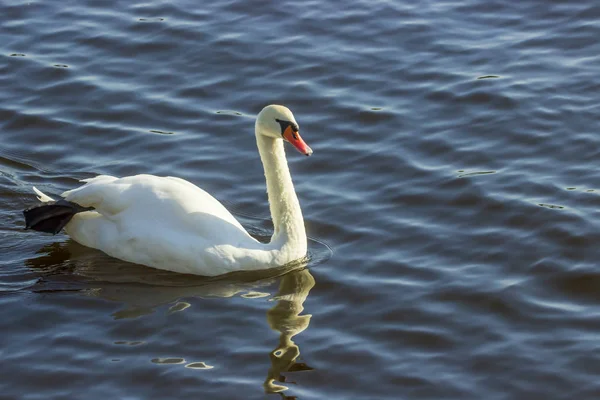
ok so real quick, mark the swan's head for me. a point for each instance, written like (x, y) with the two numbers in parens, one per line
(278, 122)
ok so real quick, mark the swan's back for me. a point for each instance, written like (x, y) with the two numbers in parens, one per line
(148, 195)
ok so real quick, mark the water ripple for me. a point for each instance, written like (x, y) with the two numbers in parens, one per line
(451, 200)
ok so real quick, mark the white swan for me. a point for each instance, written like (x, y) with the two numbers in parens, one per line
(169, 223)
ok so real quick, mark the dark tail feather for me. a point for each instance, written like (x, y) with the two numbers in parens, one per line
(52, 216)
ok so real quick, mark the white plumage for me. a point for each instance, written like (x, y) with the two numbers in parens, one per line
(170, 223)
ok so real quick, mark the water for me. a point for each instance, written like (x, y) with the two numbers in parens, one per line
(455, 180)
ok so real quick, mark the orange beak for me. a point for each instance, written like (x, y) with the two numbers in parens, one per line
(296, 141)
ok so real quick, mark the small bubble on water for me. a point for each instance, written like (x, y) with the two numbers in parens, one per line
(228, 112)
(551, 206)
(128, 343)
(161, 132)
(168, 360)
(199, 365)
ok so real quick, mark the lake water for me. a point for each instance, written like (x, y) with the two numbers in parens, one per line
(452, 200)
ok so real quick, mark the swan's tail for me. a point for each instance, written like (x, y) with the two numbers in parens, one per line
(41, 196)
(51, 216)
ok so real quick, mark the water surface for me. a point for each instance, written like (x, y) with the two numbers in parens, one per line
(454, 179)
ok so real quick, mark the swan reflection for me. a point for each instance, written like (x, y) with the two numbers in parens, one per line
(70, 266)
(285, 317)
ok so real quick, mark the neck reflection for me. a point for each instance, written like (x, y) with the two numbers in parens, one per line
(285, 318)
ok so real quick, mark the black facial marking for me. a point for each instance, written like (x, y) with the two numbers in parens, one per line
(285, 124)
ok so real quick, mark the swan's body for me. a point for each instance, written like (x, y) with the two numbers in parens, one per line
(169, 223)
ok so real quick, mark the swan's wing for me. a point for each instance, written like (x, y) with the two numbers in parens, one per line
(171, 201)
(181, 181)
(167, 223)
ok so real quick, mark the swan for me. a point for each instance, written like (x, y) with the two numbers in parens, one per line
(171, 224)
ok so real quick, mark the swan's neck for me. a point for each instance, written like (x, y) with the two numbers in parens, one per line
(285, 208)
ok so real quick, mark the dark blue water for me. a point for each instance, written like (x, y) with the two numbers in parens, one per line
(455, 180)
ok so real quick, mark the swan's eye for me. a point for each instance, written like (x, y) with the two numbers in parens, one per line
(285, 125)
